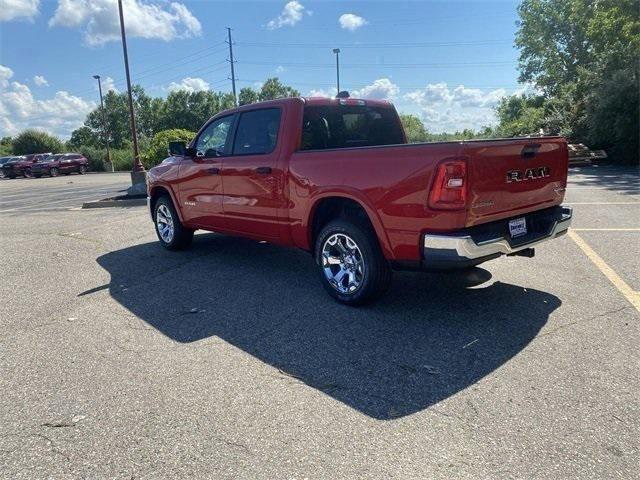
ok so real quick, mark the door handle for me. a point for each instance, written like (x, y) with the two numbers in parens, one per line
(263, 170)
(213, 171)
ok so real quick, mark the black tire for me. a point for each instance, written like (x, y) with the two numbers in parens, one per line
(376, 275)
(82, 169)
(26, 173)
(53, 172)
(182, 236)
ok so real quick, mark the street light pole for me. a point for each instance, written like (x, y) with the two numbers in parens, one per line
(136, 176)
(105, 131)
(337, 52)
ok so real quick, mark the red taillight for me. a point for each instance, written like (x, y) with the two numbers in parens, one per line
(449, 190)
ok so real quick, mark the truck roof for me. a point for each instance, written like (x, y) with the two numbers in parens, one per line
(315, 101)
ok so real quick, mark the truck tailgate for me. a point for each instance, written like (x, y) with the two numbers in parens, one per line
(515, 176)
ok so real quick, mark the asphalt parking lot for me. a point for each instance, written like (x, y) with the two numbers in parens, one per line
(121, 360)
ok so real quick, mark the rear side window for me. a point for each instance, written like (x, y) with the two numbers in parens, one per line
(344, 126)
(257, 132)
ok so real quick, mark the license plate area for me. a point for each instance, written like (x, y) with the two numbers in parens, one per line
(518, 227)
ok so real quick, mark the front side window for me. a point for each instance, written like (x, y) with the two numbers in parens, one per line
(257, 132)
(212, 141)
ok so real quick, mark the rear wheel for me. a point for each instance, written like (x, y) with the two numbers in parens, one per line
(27, 173)
(171, 233)
(82, 170)
(53, 172)
(351, 265)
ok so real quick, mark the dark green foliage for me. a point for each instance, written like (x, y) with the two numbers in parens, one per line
(6, 146)
(159, 144)
(35, 141)
(583, 56)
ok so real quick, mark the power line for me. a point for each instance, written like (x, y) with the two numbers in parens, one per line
(378, 45)
(384, 65)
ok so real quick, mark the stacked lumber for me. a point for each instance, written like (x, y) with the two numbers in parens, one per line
(580, 154)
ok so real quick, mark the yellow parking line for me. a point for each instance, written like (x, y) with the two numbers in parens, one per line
(619, 283)
(606, 229)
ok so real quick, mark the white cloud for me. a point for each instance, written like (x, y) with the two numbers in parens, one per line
(380, 89)
(12, 9)
(449, 109)
(460, 95)
(290, 15)
(5, 74)
(190, 85)
(58, 115)
(350, 21)
(280, 69)
(100, 20)
(320, 92)
(109, 85)
(40, 81)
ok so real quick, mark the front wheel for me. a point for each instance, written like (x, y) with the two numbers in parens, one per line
(352, 268)
(27, 173)
(171, 233)
(53, 172)
(82, 170)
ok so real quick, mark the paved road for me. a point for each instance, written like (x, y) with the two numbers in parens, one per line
(22, 195)
(121, 360)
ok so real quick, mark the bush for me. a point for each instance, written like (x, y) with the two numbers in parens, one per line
(157, 150)
(34, 141)
(122, 158)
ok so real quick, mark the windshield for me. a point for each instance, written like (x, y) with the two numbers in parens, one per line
(4, 160)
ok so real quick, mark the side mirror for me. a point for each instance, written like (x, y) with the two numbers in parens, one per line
(177, 148)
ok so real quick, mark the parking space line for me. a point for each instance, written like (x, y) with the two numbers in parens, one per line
(606, 229)
(603, 203)
(632, 296)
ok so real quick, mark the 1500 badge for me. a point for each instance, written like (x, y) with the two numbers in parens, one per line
(528, 174)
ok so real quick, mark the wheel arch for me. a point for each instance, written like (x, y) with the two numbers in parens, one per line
(157, 191)
(330, 205)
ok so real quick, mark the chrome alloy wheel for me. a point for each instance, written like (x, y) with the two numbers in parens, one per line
(343, 263)
(164, 223)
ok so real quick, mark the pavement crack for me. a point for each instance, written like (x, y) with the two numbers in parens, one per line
(575, 322)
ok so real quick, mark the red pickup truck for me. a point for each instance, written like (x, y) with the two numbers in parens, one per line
(337, 178)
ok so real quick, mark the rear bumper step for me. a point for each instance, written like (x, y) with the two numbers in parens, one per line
(475, 245)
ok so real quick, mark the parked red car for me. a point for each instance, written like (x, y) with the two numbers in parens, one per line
(19, 166)
(335, 177)
(62, 163)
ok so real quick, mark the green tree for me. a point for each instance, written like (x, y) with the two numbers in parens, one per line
(520, 115)
(190, 110)
(583, 55)
(6, 146)
(248, 95)
(159, 145)
(84, 136)
(35, 141)
(414, 128)
(273, 89)
(117, 116)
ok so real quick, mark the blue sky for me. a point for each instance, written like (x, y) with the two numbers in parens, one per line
(448, 62)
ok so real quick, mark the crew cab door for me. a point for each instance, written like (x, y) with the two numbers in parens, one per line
(252, 175)
(200, 187)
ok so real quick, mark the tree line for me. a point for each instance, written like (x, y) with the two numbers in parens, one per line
(580, 57)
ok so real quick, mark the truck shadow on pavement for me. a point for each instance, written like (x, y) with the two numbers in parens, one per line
(430, 337)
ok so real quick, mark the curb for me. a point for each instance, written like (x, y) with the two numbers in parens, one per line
(110, 202)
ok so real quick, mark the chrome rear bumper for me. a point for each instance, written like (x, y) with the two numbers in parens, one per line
(467, 249)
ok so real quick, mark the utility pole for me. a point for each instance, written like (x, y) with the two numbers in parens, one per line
(105, 131)
(337, 52)
(233, 74)
(137, 171)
